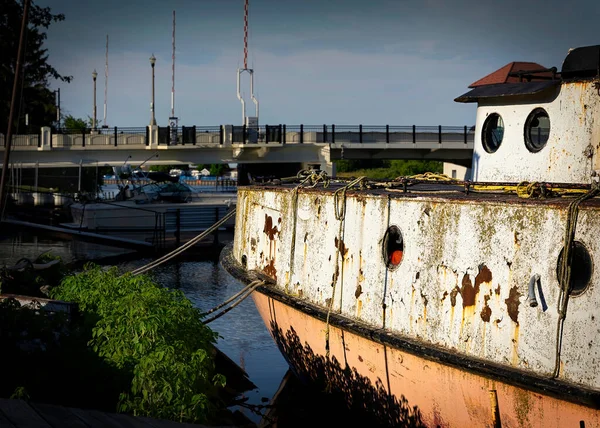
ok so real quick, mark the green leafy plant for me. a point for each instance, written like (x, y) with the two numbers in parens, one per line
(156, 334)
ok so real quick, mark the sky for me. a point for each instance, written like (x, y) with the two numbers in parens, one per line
(343, 62)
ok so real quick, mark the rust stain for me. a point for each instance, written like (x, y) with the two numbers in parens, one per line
(444, 296)
(453, 294)
(305, 236)
(425, 300)
(497, 290)
(484, 275)
(269, 229)
(512, 304)
(486, 312)
(339, 244)
(270, 269)
(468, 291)
(417, 275)
(358, 291)
(253, 244)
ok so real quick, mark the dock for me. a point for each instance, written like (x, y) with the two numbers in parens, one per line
(88, 236)
(20, 414)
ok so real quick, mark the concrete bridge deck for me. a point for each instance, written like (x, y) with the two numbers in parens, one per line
(235, 144)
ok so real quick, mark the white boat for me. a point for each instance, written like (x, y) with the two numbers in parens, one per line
(427, 301)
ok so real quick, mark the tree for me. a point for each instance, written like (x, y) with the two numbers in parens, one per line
(35, 99)
(78, 124)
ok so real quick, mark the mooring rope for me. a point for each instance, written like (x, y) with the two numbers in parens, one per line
(339, 198)
(565, 270)
(185, 246)
(245, 292)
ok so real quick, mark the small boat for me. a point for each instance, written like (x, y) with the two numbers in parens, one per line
(432, 301)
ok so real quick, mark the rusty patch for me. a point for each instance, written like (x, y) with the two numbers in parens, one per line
(253, 244)
(270, 269)
(444, 296)
(484, 275)
(339, 244)
(497, 290)
(453, 294)
(300, 293)
(358, 291)
(305, 236)
(468, 292)
(269, 229)
(417, 275)
(512, 304)
(424, 297)
(327, 301)
(486, 312)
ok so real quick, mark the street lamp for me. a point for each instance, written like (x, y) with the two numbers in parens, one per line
(94, 75)
(153, 119)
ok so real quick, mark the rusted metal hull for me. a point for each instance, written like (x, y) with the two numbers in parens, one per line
(448, 325)
(397, 388)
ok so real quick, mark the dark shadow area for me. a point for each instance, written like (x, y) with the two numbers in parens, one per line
(331, 385)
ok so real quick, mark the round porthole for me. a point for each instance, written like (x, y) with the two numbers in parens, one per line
(581, 268)
(537, 130)
(492, 132)
(393, 247)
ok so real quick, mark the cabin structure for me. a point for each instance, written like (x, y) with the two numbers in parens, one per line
(538, 124)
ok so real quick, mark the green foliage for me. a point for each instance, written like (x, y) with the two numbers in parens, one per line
(36, 98)
(48, 360)
(393, 169)
(78, 124)
(154, 333)
(217, 169)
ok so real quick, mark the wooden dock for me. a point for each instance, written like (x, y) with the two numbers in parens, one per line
(22, 414)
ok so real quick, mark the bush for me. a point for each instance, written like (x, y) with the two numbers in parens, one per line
(156, 334)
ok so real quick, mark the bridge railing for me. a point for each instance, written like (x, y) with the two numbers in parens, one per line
(263, 134)
(349, 134)
(82, 137)
(22, 140)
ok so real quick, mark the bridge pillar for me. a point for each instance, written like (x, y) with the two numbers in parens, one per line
(45, 135)
(227, 134)
(152, 137)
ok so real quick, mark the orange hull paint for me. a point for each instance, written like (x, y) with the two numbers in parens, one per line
(422, 390)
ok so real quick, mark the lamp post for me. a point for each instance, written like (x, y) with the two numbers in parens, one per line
(94, 75)
(153, 119)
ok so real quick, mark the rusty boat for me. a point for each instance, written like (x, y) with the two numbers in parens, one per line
(431, 301)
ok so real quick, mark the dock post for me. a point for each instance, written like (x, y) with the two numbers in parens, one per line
(216, 233)
(178, 227)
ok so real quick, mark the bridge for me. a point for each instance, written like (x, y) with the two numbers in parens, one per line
(309, 144)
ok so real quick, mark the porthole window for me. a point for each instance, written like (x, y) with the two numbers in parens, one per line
(492, 132)
(393, 247)
(537, 130)
(581, 268)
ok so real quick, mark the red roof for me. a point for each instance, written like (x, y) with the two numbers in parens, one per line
(502, 75)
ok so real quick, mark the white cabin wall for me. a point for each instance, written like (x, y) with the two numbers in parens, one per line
(573, 114)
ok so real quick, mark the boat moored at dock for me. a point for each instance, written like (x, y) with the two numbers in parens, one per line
(436, 302)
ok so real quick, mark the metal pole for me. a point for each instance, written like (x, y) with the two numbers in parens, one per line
(13, 102)
(152, 119)
(94, 76)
